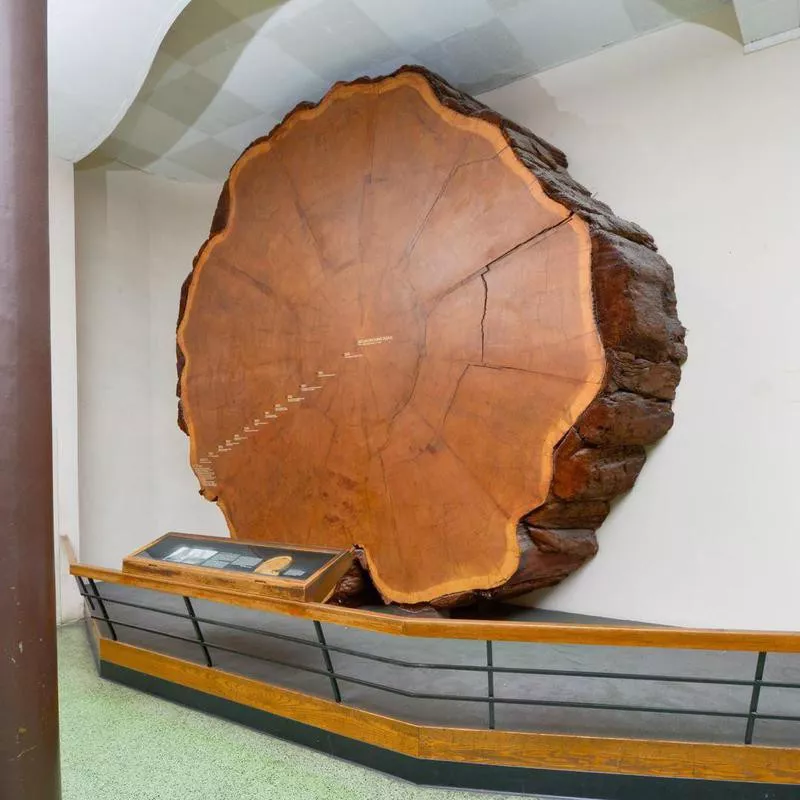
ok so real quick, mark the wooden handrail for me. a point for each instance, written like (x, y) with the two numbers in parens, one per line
(499, 631)
(66, 543)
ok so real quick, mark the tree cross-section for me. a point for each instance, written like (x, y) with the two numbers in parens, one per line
(409, 330)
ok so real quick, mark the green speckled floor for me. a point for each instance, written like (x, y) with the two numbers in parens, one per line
(121, 744)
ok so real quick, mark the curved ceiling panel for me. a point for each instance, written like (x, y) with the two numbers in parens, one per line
(228, 70)
(99, 55)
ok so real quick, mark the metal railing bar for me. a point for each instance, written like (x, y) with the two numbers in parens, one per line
(464, 667)
(778, 685)
(326, 657)
(84, 594)
(222, 648)
(198, 631)
(751, 720)
(490, 682)
(460, 698)
(232, 625)
(105, 618)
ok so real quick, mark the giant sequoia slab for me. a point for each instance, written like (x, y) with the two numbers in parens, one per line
(409, 330)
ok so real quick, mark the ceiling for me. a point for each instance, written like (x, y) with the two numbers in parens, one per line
(92, 38)
(765, 22)
(227, 71)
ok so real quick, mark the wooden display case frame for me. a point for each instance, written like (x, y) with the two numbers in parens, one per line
(316, 588)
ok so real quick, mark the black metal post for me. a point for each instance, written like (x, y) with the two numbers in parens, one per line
(490, 679)
(197, 631)
(751, 719)
(102, 607)
(84, 594)
(326, 656)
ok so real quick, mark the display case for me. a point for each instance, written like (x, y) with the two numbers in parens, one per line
(272, 570)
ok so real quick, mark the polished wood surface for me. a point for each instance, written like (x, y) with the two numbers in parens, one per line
(399, 625)
(665, 759)
(317, 587)
(542, 751)
(394, 331)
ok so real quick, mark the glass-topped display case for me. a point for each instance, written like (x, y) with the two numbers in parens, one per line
(289, 571)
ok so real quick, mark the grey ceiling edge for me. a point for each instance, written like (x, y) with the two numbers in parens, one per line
(765, 23)
(227, 71)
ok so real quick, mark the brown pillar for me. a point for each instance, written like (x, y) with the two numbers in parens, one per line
(29, 768)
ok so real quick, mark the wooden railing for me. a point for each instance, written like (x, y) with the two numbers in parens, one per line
(395, 625)
(641, 756)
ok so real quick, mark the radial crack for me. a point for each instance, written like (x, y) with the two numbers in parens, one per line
(531, 240)
(485, 305)
(453, 398)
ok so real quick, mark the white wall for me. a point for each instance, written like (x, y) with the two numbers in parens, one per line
(701, 145)
(63, 349)
(137, 235)
(678, 131)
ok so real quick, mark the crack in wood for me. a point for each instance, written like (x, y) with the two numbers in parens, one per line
(568, 378)
(531, 240)
(262, 287)
(485, 306)
(486, 268)
(453, 396)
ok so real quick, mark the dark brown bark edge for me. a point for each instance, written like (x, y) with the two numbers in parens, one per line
(635, 308)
